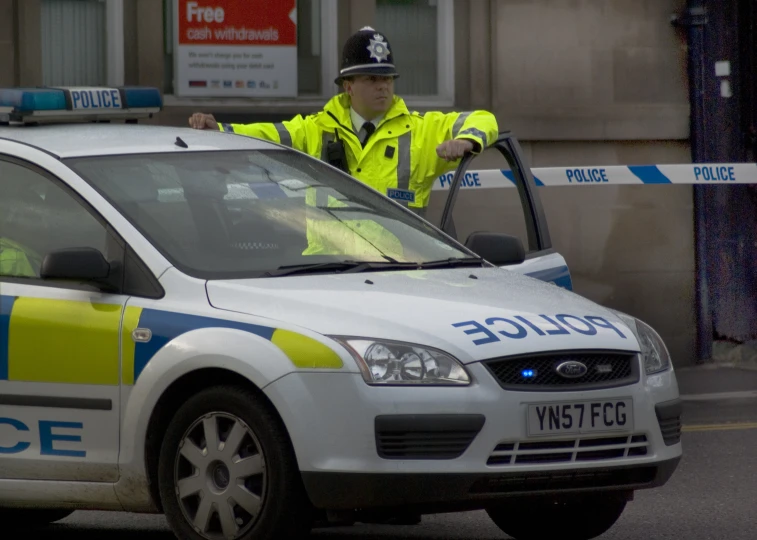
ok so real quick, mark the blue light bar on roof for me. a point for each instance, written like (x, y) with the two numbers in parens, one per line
(58, 103)
(32, 99)
(142, 97)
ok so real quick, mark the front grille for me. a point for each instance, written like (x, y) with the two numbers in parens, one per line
(567, 480)
(604, 369)
(569, 450)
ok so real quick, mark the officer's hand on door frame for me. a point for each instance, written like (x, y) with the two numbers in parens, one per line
(453, 150)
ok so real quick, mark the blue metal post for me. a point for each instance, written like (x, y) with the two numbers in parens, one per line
(726, 214)
(694, 21)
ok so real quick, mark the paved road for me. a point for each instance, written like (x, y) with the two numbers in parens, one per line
(711, 496)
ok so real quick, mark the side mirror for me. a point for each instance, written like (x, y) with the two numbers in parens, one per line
(498, 249)
(79, 264)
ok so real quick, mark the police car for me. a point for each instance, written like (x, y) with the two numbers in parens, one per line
(247, 340)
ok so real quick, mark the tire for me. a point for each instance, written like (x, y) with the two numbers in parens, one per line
(24, 518)
(578, 519)
(255, 485)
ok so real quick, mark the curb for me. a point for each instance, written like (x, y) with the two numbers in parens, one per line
(720, 396)
(714, 365)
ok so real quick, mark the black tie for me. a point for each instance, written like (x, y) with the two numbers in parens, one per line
(369, 129)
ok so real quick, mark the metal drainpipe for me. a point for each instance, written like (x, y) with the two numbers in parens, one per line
(694, 20)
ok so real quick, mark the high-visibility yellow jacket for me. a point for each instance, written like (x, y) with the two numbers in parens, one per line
(17, 260)
(399, 155)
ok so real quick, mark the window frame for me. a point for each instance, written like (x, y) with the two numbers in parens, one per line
(329, 69)
(115, 63)
(538, 239)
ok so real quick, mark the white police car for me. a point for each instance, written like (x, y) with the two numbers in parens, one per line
(243, 338)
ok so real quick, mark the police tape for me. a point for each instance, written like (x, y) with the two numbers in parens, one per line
(688, 174)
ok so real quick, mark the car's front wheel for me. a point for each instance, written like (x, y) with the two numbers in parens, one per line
(573, 519)
(227, 470)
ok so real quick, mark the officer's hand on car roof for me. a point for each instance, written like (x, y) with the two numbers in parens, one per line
(452, 150)
(203, 121)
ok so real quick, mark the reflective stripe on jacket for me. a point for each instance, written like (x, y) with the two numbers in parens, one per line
(401, 153)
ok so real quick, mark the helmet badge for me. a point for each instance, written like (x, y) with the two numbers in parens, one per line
(378, 48)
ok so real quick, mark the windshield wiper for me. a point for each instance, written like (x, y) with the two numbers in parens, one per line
(353, 267)
(343, 267)
(452, 262)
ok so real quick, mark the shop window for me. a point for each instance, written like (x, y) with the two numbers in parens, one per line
(73, 42)
(82, 42)
(421, 33)
(316, 58)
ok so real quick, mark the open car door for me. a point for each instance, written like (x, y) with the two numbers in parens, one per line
(471, 207)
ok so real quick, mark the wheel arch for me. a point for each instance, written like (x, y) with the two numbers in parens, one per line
(172, 398)
(183, 365)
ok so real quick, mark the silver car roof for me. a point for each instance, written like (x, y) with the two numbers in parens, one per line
(93, 139)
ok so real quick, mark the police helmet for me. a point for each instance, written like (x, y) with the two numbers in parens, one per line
(366, 52)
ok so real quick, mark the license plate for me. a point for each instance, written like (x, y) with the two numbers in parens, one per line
(604, 415)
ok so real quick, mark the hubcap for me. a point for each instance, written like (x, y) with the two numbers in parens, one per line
(220, 476)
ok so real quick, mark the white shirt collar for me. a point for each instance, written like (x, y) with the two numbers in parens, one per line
(358, 121)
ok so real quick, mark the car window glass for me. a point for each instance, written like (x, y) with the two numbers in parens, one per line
(243, 213)
(478, 208)
(38, 216)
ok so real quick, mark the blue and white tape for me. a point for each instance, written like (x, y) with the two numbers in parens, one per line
(691, 174)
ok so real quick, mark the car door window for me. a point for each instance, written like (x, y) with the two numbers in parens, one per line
(39, 215)
(478, 208)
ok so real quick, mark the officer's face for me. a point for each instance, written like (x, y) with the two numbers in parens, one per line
(370, 93)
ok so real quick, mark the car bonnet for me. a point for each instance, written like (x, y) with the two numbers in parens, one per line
(473, 314)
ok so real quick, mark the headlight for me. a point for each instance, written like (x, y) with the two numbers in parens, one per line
(653, 349)
(391, 362)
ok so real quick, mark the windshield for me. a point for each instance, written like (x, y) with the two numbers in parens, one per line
(234, 214)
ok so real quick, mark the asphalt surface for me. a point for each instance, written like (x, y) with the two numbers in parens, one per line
(711, 496)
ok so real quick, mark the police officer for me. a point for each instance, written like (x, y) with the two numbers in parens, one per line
(369, 132)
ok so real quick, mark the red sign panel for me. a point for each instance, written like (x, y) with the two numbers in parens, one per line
(237, 22)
